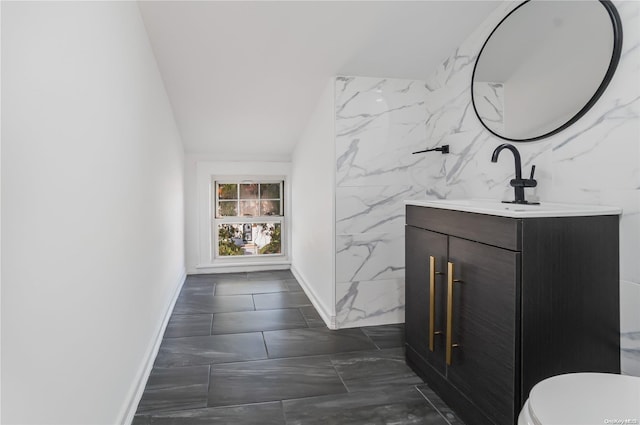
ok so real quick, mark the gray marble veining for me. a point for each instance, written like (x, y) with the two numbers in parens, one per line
(372, 209)
(254, 321)
(211, 349)
(369, 112)
(248, 414)
(315, 341)
(368, 370)
(175, 388)
(391, 406)
(489, 100)
(369, 256)
(267, 380)
(386, 336)
(188, 325)
(370, 302)
(208, 303)
(280, 300)
(251, 287)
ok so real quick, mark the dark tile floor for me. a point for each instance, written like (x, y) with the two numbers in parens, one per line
(249, 348)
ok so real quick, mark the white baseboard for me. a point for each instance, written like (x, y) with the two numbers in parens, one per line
(140, 381)
(240, 268)
(329, 319)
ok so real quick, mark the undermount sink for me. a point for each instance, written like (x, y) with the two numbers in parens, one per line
(492, 207)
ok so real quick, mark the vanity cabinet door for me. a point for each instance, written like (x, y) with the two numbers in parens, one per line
(485, 312)
(421, 244)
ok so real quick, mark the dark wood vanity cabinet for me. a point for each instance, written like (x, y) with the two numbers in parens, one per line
(516, 300)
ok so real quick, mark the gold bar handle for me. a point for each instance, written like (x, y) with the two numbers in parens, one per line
(450, 282)
(432, 302)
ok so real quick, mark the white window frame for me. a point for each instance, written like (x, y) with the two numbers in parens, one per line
(208, 172)
(216, 221)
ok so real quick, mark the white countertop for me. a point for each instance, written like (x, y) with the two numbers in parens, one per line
(492, 207)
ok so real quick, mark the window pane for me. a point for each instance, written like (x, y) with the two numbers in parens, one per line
(270, 191)
(230, 239)
(270, 207)
(227, 208)
(271, 235)
(228, 191)
(249, 208)
(249, 191)
(249, 239)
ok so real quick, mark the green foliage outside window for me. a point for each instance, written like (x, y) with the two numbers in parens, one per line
(227, 208)
(226, 245)
(228, 191)
(272, 247)
(270, 190)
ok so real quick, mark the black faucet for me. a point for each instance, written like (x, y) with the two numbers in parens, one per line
(518, 183)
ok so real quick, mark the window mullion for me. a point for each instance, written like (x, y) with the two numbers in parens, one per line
(259, 204)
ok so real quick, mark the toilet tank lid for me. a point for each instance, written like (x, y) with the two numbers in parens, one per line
(586, 398)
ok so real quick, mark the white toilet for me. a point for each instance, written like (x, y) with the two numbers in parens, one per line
(583, 399)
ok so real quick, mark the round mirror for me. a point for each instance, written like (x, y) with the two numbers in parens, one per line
(544, 66)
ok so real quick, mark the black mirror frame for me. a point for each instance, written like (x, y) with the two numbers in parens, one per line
(616, 24)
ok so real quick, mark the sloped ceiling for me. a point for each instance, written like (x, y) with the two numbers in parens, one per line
(244, 77)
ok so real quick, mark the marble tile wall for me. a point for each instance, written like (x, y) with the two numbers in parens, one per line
(595, 161)
(379, 122)
(489, 99)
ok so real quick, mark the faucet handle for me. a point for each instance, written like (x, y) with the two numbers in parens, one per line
(531, 182)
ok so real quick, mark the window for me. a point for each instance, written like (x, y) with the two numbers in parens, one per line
(248, 218)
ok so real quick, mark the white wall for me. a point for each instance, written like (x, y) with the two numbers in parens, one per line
(313, 199)
(92, 210)
(0, 211)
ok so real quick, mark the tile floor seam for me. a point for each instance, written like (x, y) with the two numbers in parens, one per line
(370, 339)
(264, 341)
(312, 356)
(432, 405)
(263, 310)
(244, 332)
(339, 376)
(303, 316)
(208, 383)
